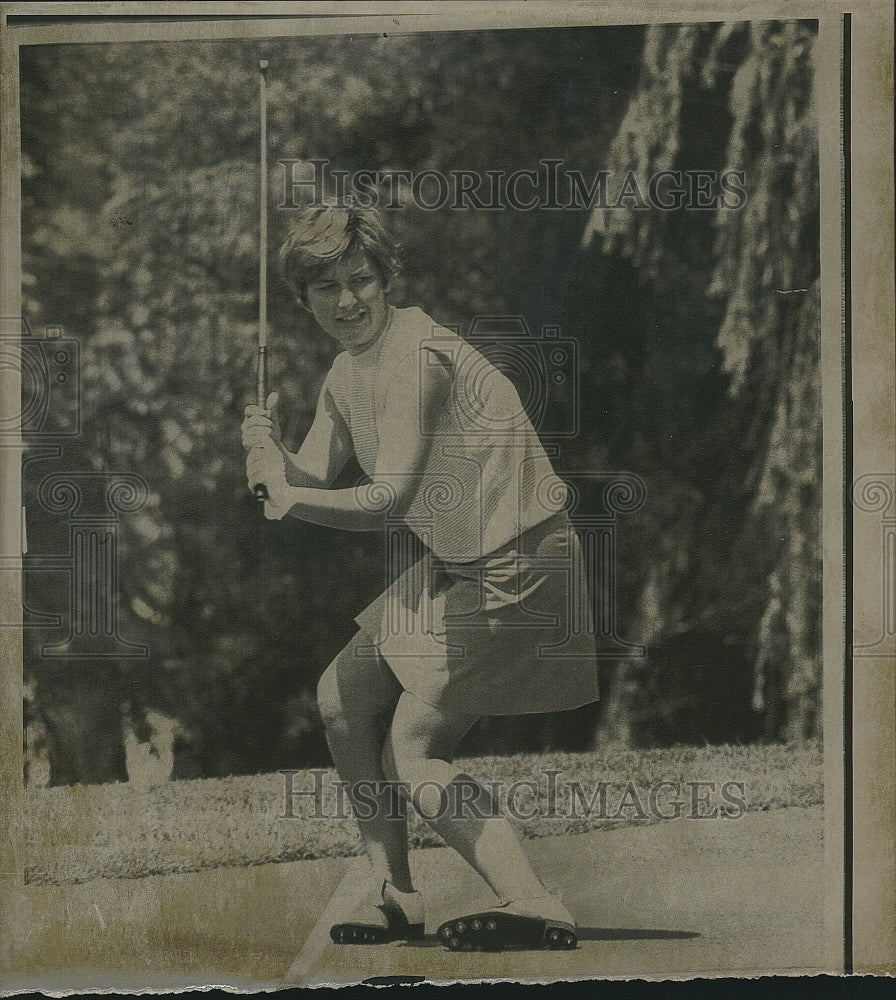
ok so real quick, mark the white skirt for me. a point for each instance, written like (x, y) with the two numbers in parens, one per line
(509, 634)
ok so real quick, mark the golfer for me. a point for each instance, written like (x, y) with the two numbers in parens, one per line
(494, 620)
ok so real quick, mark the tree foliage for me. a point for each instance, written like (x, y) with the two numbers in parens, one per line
(740, 97)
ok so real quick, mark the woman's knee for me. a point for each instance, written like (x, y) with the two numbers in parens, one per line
(329, 700)
(389, 764)
(406, 765)
(420, 731)
(356, 684)
(401, 762)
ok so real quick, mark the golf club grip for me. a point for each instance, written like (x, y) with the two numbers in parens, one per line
(260, 491)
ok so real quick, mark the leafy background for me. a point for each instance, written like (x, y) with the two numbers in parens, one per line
(697, 332)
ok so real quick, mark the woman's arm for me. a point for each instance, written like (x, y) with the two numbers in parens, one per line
(415, 396)
(324, 452)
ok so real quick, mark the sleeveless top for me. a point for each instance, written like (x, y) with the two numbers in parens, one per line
(486, 477)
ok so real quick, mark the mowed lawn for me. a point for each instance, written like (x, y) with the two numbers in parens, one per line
(78, 833)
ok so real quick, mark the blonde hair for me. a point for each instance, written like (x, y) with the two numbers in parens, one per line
(325, 233)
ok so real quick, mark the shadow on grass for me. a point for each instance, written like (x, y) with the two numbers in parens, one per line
(589, 934)
(633, 934)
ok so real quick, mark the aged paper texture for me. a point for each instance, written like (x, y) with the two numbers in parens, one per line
(541, 626)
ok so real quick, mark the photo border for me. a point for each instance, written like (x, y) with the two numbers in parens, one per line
(855, 98)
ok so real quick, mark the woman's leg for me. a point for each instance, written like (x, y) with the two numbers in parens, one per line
(418, 751)
(357, 696)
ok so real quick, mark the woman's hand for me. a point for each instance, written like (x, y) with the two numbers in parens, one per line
(265, 464)
(262, 425)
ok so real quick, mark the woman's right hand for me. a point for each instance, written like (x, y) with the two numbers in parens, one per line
(261, 425)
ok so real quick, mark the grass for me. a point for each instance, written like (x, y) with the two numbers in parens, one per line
(75, 834)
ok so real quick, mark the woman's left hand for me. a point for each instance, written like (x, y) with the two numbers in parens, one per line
(264, 464)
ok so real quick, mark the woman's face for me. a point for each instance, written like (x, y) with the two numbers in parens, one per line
(348, 300)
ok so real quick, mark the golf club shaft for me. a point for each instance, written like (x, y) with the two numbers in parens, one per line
(260, 490)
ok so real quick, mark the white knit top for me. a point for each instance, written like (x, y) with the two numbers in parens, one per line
(485, 478)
